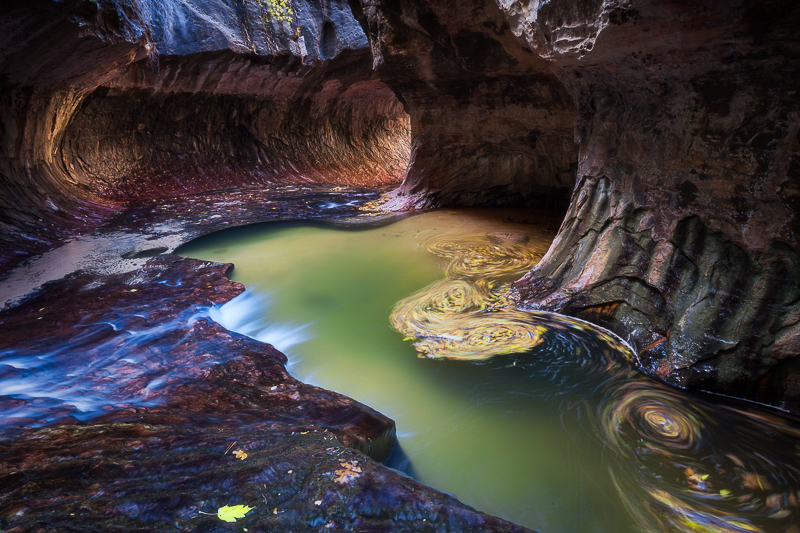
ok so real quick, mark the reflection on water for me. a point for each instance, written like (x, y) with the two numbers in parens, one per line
(532, 416)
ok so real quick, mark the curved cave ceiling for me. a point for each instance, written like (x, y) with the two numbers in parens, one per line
(670, 129)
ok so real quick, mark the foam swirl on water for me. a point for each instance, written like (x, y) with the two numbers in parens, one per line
(658, 418)
(461, 318)
(679, 472)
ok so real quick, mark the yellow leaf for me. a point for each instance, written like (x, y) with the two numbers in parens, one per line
(348, 473)
(240, 454)
(725, 492)
(230, 514)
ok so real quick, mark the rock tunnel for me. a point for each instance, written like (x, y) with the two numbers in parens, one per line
(668, 130)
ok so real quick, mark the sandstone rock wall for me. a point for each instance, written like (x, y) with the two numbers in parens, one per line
(109, 101)
(683, 230)
(330, 124)
(490, 123)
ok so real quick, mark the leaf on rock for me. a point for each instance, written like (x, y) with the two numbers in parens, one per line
(349, 471)
(240, 454)
(230, 514)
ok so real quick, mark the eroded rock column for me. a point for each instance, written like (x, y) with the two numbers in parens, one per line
(681, 234)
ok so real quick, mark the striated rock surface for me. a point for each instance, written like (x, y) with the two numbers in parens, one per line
(144, 475)
(109, 101)
(682, 230)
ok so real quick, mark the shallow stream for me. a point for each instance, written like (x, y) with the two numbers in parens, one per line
(530, 416)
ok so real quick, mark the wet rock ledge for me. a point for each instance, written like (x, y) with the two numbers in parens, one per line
(180, 417)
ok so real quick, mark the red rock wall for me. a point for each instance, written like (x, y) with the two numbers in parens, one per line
(109, 101)
(490, 122)
(683, 233)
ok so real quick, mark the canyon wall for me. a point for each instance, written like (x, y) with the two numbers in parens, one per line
(683, 230)
(669, 128)
(681, 234)
(490, 122)
(110, 101)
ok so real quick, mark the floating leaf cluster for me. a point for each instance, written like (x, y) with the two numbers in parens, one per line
(483, 256)
(679, 474)
(470, 315)
(713, 488)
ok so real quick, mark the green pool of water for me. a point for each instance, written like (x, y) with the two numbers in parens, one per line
(564, 437)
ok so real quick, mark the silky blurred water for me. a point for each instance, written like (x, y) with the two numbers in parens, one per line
(563, 437)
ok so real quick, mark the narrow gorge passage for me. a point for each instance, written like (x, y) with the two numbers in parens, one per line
(133, 397)
(546, 423)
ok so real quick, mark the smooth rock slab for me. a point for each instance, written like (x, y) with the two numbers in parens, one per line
(143, 477)
(123, 403)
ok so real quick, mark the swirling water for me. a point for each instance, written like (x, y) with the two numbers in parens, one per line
(527, 415)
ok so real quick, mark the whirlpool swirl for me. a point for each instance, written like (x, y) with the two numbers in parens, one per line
(677, 471)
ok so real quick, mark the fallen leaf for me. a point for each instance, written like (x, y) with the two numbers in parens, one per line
(230, 514)
(347, 473)
(240, 454)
